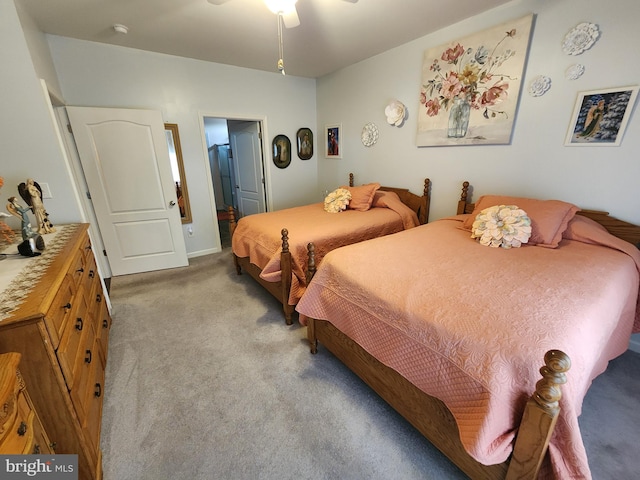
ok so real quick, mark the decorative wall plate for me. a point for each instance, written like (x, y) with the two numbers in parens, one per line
(539, 86)
(580, 38)
(369, 134)
(574, 71)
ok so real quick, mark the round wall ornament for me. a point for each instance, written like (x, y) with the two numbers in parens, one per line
(580, 38)
(395, 113)
(369, 134)
(539, 86)
(574, 72)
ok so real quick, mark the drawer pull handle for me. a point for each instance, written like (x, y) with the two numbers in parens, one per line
(67, 306)
(79, 323)
(105, 323)
(92, 274)
(87, 358)
(80, 270)
(22, 429)
(98, 391)
(36, 449)
(88, 247)
(98, 298)
(53, 446)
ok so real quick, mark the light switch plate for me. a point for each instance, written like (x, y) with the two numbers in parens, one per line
(46, 192)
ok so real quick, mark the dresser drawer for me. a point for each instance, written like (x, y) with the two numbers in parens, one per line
(69, 351)
(19, 435)
(85, 371)
(94, 404)
(102, 327)
(60, 310)
(41, 445)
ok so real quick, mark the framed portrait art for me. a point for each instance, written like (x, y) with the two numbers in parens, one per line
(281, 151)
(600, 117)
(305, 143)
(333, 141)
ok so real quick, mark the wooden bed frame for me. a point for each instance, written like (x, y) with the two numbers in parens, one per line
(281, 289)
(432, 418)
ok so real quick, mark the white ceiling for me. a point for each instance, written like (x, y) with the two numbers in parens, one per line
(332, 33)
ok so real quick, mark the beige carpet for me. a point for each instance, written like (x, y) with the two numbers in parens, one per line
(205, 381)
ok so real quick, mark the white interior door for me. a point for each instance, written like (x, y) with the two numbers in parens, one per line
(246, 150)
(125, 159)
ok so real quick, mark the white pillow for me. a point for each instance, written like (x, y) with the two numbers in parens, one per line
(503, 226)
(337, 200)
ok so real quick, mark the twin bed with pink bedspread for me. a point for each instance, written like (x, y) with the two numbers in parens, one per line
(272, 247)
(468, 325)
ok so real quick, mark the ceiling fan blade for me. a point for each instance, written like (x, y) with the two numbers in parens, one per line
(217, 2)
(351, 1)
(291, 19)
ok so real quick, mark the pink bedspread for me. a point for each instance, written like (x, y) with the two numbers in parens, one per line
(470, 324)
(258, 236)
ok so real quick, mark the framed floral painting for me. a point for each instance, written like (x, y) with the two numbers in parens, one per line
(470, 87)
(600, 117)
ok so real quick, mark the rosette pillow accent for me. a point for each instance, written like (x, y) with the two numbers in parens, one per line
(503, 226)
(337, 200)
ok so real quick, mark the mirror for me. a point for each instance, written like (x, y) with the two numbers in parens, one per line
(177, 170)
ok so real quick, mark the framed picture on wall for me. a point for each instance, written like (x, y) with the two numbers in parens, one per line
(601, 116)
(305, 143)
(281, 151)
(333, 141)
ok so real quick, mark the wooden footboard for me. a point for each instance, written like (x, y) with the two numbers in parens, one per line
(434, 420)
(280, 290)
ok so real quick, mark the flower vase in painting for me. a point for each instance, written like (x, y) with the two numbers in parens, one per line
(459, 118)
(470, 87)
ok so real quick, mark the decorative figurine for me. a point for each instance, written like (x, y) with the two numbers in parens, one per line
(32, 194)
(31, 239)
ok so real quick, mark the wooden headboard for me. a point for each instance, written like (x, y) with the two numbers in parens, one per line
(621, 229)
(419, 204)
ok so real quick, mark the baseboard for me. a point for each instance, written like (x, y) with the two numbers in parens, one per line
(201, 253)
(634, 343)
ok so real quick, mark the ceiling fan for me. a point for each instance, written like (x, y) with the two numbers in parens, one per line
(285, 8)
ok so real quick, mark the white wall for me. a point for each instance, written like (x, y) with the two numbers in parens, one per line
(30, 146)
(185, 90)
(536, 163)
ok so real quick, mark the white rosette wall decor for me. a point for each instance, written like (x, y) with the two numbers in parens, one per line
(539, 85)
(574, 72)
(580, 38)
(369, 134)
(395, 113)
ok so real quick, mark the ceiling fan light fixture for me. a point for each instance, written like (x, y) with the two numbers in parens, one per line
(281, 6)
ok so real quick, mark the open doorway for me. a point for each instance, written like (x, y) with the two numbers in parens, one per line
(237, 169)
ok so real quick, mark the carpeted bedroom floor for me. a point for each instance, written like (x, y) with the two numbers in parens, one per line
(205, 381)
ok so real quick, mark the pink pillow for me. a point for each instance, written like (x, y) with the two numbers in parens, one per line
(549, 218)
(362, 196)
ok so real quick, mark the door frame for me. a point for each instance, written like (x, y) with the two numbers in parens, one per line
(262, 121)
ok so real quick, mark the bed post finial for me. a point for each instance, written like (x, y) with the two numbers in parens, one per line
(465, 191)
(548, 392)
(351, 179)
(427, 184)
(285, 240)
(539, 418)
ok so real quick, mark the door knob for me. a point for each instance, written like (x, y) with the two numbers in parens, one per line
(172, 203)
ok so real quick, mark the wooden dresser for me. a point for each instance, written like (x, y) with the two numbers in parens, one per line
(21, 431)
(60, 325)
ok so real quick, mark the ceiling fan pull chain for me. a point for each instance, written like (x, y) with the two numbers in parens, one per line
(280, 45)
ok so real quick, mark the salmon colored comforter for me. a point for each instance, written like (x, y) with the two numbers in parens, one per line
(258, 236)
(470, 324)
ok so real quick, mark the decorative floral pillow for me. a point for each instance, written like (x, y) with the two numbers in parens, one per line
(337, 200)
(503, 226)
